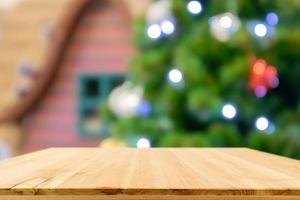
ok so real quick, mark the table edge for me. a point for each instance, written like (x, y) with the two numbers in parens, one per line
(112, 191)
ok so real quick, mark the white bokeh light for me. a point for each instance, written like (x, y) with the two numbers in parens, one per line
(154, 31)
(175, 76)
(262, 123)
(229, 111)
(143, 143)
(194, 7)
(223, 26)
(167, 27)
(260, 30)
(225, 21)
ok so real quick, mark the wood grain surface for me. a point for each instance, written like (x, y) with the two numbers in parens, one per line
(156, 173)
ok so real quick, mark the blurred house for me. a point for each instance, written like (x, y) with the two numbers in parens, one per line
(59, 60)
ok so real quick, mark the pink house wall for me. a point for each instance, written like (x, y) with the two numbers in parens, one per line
(101, 43)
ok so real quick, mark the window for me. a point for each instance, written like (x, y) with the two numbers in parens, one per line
(93, 91)
(91, 88)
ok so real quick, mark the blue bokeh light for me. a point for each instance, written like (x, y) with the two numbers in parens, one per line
(144, 109)
(272, 18)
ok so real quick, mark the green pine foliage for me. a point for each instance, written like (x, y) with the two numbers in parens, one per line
(216, 73)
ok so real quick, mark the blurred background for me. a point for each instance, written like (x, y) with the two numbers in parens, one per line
(165, 73)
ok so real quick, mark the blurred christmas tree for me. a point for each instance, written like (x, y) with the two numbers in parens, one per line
(213, 74)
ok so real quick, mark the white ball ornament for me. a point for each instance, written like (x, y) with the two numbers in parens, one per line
(124, 100)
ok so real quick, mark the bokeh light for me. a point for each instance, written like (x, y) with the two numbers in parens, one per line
(175, 76)
(260, 30)
(194, 7)
(225, 21)
(274, 82)
(260, 91)
(259, 67)
(154, 31)
(229, 111)
(262, 123)
(144, 108)
(271, 128)
(143, 143)
(167, 27)
(272, 19)
(224, 25)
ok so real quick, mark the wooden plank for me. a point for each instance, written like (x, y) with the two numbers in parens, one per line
(182, 172)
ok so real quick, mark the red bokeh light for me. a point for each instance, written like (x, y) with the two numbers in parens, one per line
(263, 76)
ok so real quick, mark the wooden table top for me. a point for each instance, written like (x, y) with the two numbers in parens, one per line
(169, 171)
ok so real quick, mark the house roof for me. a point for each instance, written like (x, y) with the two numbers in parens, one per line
(53, 58)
